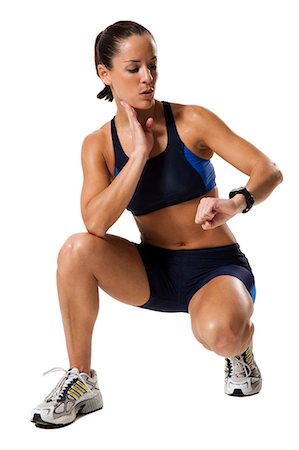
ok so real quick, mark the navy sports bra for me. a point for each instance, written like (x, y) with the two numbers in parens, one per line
(174, 176)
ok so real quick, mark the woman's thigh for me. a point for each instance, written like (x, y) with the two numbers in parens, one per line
(114, 261)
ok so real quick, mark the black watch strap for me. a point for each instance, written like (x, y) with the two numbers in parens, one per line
(248, 197)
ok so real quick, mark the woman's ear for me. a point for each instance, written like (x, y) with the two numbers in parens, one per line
(104, 74)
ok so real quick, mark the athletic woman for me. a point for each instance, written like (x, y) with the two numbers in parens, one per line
(153, 158)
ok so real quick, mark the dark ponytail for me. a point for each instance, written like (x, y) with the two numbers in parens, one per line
(106, 47)
(106, 93)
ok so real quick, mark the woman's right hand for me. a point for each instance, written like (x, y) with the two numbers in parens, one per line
(142, 137)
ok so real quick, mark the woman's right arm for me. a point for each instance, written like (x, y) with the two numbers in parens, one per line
(102, 201)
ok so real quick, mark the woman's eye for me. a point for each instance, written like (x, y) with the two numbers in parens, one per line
(152, 67)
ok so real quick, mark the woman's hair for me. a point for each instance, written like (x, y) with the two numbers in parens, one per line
(106, 47)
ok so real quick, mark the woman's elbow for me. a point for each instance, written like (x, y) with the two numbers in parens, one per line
(95, 228)
(277, 174)
(96, 231)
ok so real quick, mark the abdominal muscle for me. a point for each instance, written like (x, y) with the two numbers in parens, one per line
(174, 227)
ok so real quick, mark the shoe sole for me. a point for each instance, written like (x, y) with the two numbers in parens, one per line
(40, 423)
(239, 393)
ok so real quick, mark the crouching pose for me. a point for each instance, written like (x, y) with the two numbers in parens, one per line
(154, 159)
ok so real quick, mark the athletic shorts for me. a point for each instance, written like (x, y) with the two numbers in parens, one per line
(176, 275)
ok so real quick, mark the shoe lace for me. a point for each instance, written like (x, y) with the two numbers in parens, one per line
(238, 367)
(63, 384)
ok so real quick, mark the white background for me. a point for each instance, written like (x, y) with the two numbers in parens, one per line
(161, 389)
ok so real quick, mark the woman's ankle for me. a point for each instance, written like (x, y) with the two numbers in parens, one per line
(82, 368)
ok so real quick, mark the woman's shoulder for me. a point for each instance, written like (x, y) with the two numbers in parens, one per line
(99, 139)
(99, 134)
(194, 114)
(192, 122)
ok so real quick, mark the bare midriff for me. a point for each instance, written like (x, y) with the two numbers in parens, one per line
(174, 227)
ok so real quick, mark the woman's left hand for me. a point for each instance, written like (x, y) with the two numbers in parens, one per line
(212, 212)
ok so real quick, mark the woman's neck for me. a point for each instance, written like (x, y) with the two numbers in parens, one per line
(142, 115)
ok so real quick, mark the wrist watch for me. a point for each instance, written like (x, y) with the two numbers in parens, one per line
(248, 197)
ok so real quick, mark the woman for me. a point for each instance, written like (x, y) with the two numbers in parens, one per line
(153, 158)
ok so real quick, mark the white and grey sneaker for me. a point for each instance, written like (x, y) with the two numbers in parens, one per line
(76, 393)
(242, 375)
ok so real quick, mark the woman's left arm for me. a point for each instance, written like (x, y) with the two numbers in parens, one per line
(264, 175)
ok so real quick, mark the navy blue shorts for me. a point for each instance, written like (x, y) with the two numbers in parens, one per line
(175, 275)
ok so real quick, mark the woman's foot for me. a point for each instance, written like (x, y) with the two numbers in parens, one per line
(75, 393)
(242, 375)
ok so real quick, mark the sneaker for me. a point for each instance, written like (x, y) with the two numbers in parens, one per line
(76, 393)
(242, 375)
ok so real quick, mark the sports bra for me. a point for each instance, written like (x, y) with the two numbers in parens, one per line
(171, 177)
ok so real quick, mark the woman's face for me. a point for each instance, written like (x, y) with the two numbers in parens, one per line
(135, 71)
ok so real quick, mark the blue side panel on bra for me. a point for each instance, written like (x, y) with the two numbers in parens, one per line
(253, 293)
(203, 166)
(116, 171)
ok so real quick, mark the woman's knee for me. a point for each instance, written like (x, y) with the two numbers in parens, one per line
(225, 339)
(220, 315)
(76, 248)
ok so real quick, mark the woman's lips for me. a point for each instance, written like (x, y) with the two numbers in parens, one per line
(147, 94)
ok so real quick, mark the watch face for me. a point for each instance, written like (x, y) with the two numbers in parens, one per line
(248, 197)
